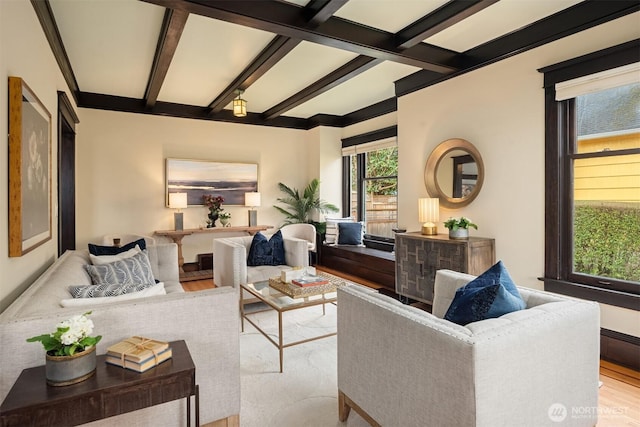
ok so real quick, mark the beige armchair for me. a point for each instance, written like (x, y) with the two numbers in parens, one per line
(401, 366)
(301, 231)
(230, 260)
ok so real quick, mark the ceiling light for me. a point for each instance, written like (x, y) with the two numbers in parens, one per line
(239, 105)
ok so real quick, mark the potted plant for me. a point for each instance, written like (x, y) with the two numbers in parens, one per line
(224, 218)
(301, 206)
(70, 351)
(214, 204)
(459, 227)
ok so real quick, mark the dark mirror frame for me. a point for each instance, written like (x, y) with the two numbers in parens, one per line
(431, 168)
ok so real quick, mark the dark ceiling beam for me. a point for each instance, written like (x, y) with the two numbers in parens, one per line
(316, 12)
(172, 27)
(449, 14)
(570, 21)
(286, 19)
(133, 105)
(50, 28)
(348, 71)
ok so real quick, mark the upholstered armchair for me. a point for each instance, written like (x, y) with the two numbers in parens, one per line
(230, 260)
(401, 366)
(301, 231)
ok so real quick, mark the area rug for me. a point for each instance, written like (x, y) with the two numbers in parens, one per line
(306, 393)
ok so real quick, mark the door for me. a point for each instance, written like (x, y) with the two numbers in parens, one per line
(66, 174)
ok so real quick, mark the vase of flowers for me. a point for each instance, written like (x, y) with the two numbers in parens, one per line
(70, 351)
(459, 227)
(214, 204)
(224, 218)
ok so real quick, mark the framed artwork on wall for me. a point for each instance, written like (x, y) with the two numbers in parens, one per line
(201, 177)
(29, 169)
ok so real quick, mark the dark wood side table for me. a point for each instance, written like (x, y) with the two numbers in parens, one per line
(111, 391)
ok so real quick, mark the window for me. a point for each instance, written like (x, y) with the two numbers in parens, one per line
(604, 171)
(592, 249)
(372, 182)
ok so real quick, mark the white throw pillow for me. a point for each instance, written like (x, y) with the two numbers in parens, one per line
(108, 259)
(157, 289)
(331, 235)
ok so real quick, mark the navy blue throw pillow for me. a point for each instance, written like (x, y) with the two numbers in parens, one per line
(265, 251)
(98, 250)
(490, 295)
(349, 233)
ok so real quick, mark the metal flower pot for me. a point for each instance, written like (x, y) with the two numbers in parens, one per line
(67, 370)
(460, 233)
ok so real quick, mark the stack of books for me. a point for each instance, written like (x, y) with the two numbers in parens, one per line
(138, 353)
(309, 281)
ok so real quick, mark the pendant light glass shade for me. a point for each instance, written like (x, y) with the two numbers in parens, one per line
(239, 106)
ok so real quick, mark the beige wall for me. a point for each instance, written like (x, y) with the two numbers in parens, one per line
(500, 109)
(121, 161)
(25, 53)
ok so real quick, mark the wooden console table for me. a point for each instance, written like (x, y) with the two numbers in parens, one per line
(178, 235)
(111, 391)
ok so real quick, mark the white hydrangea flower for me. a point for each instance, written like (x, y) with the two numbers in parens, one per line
(79, 327)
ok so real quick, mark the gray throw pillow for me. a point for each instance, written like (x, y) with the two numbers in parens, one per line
(135, 270)
(97, 291)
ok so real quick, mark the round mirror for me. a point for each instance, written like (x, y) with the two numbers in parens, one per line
(454, 173)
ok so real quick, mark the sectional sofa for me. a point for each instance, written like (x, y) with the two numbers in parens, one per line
(206, 320)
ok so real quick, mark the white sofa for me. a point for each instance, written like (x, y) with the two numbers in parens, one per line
(230, 260)
(206, 320)
(401, 366)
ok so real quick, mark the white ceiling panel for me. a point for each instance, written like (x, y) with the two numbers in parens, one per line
(209, 56)
(110, 44)
(387, 15)
(372, 86)
(496, 20)
(304, 65)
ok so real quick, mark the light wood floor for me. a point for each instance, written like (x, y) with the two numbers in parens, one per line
(619, 398)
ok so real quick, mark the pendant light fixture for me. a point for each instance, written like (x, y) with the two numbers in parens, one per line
(239, 105)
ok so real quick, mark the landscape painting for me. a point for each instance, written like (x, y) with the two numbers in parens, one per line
(200, 177)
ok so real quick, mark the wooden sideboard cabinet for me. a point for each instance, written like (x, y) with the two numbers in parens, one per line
(418, 257)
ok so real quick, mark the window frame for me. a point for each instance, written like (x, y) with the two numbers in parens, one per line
(559, 131)
(361, 177)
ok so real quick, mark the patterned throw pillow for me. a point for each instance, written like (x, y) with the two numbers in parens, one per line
(265, 251)
(97, 291)
(490, 295)
(132, 274)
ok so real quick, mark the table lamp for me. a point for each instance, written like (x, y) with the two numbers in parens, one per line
(178, 201)
(252, 200)
(429, 215)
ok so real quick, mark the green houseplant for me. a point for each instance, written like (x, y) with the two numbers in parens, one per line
(300, 207)
(459, 227)
(70, 351)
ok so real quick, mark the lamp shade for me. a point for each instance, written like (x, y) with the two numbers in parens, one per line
(429, 214)
(177, 200)
(252, 199)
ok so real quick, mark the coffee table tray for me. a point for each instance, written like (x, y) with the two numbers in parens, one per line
(295, 291)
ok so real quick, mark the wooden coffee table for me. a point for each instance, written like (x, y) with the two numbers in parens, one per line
(282, 303)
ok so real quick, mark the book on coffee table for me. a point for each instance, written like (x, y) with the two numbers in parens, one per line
(309, 281)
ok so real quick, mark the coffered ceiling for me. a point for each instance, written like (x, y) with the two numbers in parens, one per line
(300, 63)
